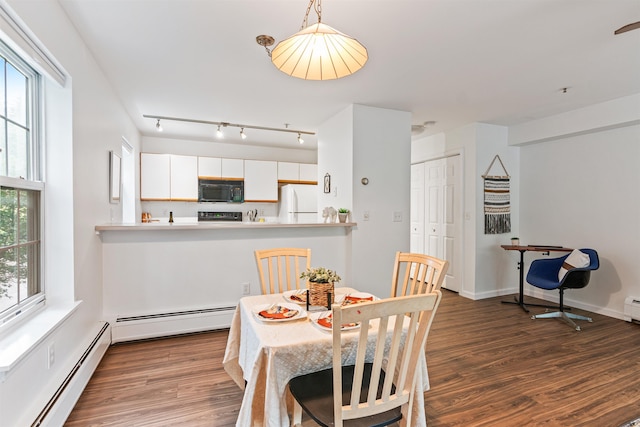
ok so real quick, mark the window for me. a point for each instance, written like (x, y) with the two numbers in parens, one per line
(21, 188)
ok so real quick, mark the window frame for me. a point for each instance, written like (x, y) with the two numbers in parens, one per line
(33, 181)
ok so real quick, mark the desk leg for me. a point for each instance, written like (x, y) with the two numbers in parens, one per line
(520, 300)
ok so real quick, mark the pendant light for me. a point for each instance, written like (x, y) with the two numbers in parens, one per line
(316, 52)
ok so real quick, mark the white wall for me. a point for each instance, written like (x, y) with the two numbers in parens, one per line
(381, 153)
(374, 143)
(580, 189)
(99, 122)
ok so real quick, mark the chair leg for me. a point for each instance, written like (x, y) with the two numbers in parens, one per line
(297, 414)
(567, 317)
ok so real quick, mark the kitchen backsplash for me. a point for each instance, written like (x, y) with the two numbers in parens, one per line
(160, 210)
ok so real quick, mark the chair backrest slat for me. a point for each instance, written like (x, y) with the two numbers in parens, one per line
(394, 351)
(283, 267)
(417, 273)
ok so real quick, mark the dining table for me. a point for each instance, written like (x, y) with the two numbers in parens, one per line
(262, 356)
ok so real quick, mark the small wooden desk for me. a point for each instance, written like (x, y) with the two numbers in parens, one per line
(530, 248)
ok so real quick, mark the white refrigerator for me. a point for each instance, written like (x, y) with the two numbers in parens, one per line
(298, 203)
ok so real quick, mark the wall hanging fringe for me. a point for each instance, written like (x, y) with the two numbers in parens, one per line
(497, 201)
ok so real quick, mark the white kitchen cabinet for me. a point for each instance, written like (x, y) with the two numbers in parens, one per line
(209, 167)
(184, 178)
(308, 172)
(232, 168)
(155, 176)
(260, 181)
(288, 171)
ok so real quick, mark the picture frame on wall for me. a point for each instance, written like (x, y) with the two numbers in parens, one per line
(327, 183)
(115, 177)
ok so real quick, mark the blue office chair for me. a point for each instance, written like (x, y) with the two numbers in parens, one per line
(543, 274)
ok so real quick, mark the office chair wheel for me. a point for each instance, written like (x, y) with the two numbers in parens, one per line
(578, 328)
(533, 317)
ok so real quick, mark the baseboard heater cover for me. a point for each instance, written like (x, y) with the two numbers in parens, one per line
(57, 396)
(157, 325)
(632, 309)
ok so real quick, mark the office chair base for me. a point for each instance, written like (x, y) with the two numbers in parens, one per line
(567, 317)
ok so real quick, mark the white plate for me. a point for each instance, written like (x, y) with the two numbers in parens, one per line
(317, 316)
(302, 292)
(362, 295)
(302, 313)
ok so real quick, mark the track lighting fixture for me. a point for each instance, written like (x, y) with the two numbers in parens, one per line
(220, 125)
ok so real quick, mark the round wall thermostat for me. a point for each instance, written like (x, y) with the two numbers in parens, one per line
(364, 181)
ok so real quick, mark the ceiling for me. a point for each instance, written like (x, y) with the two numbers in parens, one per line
(451, 61)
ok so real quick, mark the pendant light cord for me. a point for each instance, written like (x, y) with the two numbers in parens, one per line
(317, 6)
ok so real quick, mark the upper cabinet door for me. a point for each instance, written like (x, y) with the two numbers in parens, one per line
(155, 176)
(308, 173)
(184, 178)
(210, 167)
(260, 181)
(288, 171)
(233, 168)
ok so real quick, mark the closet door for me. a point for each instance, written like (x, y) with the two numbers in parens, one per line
(442, 214)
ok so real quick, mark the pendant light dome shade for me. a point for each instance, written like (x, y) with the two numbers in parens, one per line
(319, 52)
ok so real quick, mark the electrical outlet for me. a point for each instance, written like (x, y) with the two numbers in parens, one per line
(365, 216)
(397, 216)
(261, 212)
(246, 288)
(51, 355)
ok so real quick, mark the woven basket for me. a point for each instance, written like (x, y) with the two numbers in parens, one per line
(319, 292)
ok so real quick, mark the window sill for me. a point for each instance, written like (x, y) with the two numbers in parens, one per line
(24, 338)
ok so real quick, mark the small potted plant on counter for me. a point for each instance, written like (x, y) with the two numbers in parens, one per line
(343, 214)
(515, 241)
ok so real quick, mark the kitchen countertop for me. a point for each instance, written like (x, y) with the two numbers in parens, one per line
(211, 225)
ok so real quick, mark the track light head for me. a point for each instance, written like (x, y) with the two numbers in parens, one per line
(242, 134)
(300, 140)
(158, 126)
(219, 133)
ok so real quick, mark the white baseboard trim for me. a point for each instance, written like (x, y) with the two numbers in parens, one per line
(64, 399)
(165, 324)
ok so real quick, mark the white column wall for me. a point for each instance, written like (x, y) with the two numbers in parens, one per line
(374, 143)
(381, 153)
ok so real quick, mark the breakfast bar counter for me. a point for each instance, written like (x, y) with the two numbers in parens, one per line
(164, 278)
(212, 225)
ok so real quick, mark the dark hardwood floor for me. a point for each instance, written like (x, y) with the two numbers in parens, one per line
(489, 365)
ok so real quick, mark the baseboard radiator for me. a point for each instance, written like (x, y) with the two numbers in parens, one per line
(64, 399)
(129, 328)
(632, 309)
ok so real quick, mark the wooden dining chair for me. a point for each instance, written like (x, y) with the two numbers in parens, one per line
(417, 273)
(279, 269)
(378, 380)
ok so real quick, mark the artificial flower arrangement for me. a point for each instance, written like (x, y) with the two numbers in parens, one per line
(320, 275)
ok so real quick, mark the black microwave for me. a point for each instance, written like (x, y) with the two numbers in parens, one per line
(215, 190)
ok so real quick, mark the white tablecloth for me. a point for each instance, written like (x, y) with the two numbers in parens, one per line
(267, 356)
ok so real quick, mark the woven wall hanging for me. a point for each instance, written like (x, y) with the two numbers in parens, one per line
(497, 201)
